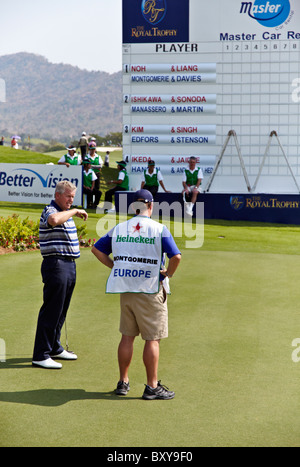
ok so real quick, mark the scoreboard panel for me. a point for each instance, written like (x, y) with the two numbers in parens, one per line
(225, 68)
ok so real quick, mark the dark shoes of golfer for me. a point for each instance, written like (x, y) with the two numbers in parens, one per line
(160, 392)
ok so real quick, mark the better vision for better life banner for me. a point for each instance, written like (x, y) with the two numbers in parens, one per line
(35, 183)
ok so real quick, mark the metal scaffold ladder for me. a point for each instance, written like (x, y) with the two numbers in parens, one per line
(274, 133)
(231, 134)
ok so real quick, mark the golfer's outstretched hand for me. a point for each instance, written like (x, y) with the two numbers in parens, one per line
(82, 214)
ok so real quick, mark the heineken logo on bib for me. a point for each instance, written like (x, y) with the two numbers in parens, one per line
(129, 239)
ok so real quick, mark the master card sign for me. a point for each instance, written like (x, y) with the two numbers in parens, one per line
(155, 21)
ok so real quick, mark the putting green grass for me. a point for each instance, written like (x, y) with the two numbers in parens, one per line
(233, 315)
(10, 155)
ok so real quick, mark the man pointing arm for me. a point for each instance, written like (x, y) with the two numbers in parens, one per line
(60, 248)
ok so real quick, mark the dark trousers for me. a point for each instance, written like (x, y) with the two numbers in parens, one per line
(110, 193)
(90, 194)
(59, 278)
(97, 182)
(153, 189)
(83, 151)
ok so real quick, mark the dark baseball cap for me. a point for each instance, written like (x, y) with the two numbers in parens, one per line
(144, 196)
(121, 163)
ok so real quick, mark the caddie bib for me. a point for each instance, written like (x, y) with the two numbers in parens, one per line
(137, 256)
(125, 181)
(88, 178)
(71, 160)
(151, 180)
(191, 177)
(95, 160)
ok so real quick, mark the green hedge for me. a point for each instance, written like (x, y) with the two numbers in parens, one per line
(19, 234)
(22, 235)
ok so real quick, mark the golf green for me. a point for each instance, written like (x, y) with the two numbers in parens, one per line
(233, 316)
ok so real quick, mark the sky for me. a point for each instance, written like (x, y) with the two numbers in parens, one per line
(83, 33)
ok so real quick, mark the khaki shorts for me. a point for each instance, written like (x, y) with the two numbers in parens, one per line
(145, 314)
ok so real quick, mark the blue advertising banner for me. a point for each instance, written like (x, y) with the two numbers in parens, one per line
(155, 21)
(259, 207)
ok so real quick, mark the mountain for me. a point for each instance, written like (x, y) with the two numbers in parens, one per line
(57, 101)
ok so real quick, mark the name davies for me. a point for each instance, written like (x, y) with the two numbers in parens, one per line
(128, 239)
(253, 203)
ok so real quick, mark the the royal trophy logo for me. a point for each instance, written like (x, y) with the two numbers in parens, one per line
(154, 11)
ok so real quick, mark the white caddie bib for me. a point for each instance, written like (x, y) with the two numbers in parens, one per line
(137, 255)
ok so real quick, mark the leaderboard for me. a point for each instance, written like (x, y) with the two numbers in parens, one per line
(171, 134)
(172, 104)
(171, 74)
(164, 117)
(193, 71)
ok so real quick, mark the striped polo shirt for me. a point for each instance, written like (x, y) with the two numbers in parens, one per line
(60, 240)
